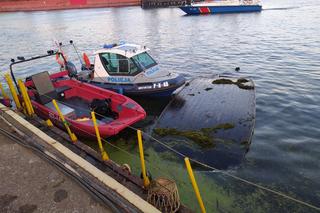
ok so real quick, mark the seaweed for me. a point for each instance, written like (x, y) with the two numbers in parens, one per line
(202, 137)
(196, 136)
(246, 87)
(242, 80)
(222, 81)
(240, 83)
(223, 126)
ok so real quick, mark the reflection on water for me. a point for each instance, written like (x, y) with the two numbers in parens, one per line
(278, 49)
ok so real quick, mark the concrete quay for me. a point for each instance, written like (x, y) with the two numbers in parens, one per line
(30, 184)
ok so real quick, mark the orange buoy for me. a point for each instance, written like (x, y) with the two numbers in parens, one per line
(86, 60)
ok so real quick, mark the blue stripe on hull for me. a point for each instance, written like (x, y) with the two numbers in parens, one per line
(196, 10)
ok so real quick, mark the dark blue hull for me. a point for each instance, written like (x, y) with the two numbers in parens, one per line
(155, 89)
(196, 10)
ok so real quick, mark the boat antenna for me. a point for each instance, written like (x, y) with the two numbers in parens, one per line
(75, 48)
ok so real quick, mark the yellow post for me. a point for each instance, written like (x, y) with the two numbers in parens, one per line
(194, 184)
(13, 91)
(24, 89)
(104, 155)
(49, 123)
(71, 134)
(28, 98)
(24, 97)
(4, 94)
(146, 181)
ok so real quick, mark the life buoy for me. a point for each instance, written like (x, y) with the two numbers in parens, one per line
(60, 60)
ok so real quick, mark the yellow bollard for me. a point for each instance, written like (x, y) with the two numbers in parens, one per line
(49, 123)
(25, 97)
(146, 181)
(194, 184)
(104, 155)
(13, 91)
(4, 94)
(71, 134)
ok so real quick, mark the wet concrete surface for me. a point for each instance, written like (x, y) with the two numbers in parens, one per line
(30, 184)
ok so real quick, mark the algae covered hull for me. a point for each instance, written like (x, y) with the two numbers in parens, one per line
(211, 120)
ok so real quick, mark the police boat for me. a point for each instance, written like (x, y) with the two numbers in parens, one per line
(130, 70)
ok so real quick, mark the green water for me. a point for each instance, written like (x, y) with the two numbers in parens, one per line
(219, 192)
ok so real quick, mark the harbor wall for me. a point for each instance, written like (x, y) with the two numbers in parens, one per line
(36, 5)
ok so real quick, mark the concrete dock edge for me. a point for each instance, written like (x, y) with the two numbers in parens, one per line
(109, 182)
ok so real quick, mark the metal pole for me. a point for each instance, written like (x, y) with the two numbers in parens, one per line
(24, 90)
(104, 155)
(24, 97)
(194, 184)
(146, 181)
(3, 92)
(13, 91)
(71, 134)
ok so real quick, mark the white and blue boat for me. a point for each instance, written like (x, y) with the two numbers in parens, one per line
(222, 6)
(129, 69)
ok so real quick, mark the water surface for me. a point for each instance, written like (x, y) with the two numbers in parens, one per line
(278, 48)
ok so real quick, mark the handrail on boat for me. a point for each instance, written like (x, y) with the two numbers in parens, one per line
(22, 60)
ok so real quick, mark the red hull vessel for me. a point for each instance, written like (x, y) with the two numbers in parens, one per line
(74, 100)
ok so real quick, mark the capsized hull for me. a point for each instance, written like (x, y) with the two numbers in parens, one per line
(203, 9)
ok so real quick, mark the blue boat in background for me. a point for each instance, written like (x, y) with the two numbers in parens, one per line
(222, 6)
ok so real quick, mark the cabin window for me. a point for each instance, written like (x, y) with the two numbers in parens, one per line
(144, 60)
(118, 64)
(110, 62)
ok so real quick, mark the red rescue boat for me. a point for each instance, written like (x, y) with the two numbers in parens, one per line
(76, 100)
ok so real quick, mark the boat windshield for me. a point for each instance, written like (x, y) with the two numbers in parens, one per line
(144, 60)
(116, 64)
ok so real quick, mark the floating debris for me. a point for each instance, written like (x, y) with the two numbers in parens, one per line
(191, 94)
(208, 88)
